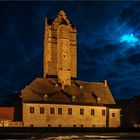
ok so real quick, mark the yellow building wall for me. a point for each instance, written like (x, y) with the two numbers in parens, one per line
(4, 123)
(65, 120)
(15, 124)
(11, 123)
(114, 121)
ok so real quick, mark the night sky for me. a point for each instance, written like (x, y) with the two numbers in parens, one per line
(108, 43)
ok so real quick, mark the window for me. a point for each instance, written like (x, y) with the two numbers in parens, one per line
(103, 112)
(31, 125)
(52, 110)
(41, 110)
(93, 125)
(70, 111)
(82, 125)
(49, 125)
(92, 112)
(74, 125)
(81, 111)
(31, 109)
(113, 114)
(59, 110)
(46, 97)
(59, 125)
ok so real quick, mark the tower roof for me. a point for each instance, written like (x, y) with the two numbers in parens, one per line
(60, 19)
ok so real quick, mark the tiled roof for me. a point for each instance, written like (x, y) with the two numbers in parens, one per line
(6, 113)
(49, 91)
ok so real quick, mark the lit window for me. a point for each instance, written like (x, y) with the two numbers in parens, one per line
(31, 109)
(41, 110)
(81, 111)
(52, 110)
(103, 112)
(70, 111)
(113, 114)
(59, 110)
(92, 112)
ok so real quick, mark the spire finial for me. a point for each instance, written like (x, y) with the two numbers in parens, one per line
(62, 14)
(105, 83)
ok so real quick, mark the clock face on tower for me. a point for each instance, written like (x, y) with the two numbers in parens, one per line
(64, 56)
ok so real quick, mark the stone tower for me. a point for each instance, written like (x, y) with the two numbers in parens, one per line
(60, 50)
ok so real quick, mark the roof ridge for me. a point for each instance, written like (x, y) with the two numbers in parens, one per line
(90, 82)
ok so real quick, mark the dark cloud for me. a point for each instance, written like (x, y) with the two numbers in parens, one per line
(134, 59)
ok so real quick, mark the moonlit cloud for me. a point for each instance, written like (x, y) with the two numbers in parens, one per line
(130, 39)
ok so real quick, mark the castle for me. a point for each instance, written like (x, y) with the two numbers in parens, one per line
(59, 99)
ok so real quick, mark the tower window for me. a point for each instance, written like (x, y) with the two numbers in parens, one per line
(113, 114)
(81, 111)
(31, 109)
(59, 110)
(64, 56)
(41, 110)
(103, 112)
(52, 111)
(70, 111)
(92, 112)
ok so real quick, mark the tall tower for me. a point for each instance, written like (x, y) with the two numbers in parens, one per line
(60, 50)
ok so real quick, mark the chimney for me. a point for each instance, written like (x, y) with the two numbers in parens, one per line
(62, 84)
(105, 82)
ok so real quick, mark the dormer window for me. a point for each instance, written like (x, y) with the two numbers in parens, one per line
(98, 100)
(73, 98)
(46, 97)
(56, 85)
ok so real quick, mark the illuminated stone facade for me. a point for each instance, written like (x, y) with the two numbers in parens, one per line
(114, 117)
(60, 115)
(60, 58)
(79, 116)
(58, 99)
